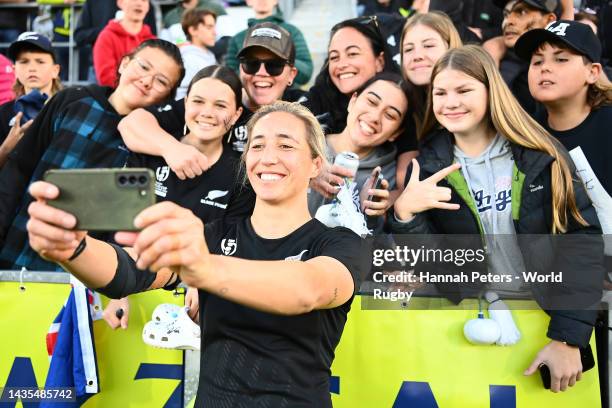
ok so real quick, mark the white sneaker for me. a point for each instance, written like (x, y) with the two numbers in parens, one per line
(180, 333)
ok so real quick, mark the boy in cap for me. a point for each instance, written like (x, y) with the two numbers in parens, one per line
(565, 75)
(36, 81)
(266, 12)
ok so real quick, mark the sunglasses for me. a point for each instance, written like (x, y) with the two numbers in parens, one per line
(371, 21)
(274, 67)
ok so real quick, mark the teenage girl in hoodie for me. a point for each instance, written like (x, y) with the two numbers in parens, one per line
(486, 167)
(78, 129)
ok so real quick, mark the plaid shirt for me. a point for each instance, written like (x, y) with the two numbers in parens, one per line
(76, 129)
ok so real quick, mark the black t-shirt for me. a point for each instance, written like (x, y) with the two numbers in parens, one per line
(216, 193)
(594, 138)
(257, 359)
(171, 118)
(7, 113)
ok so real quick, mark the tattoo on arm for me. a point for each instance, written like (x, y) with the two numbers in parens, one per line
(335, 296)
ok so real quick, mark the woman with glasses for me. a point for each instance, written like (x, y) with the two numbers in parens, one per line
(267, 70)
(78, 129)
(276, 286)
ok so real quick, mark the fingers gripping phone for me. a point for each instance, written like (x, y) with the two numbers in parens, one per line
(377, 178)
(586, 358)
(103, 199)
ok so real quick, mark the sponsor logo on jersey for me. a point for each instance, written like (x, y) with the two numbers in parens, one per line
(297, 257)
(214, 195)
(162, 173)
(229, 246)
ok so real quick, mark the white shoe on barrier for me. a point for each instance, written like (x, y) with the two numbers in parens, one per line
(180, 333)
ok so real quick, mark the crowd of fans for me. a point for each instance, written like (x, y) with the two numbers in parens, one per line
(418, 90)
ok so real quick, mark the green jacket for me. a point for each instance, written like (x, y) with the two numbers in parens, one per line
(174, 16)
(303, 60)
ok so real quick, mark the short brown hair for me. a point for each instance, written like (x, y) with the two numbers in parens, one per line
(193, 17)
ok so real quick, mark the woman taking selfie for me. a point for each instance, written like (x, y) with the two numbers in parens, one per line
(276, 303)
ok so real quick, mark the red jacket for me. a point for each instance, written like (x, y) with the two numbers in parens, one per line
(112, 45)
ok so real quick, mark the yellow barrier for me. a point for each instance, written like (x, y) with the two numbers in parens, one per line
(386, 358)
(420, 359)
(130, 373)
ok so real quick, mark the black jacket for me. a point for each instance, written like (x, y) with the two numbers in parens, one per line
(534, 217)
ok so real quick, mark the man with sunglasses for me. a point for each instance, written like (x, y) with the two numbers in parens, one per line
(267, 70)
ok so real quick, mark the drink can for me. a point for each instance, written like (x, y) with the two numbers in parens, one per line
(348, 160)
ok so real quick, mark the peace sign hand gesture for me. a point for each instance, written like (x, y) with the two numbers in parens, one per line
(423, 195)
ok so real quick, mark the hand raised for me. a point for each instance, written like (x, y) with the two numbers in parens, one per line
(422, 195)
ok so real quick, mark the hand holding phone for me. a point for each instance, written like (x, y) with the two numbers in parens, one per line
(103, 199)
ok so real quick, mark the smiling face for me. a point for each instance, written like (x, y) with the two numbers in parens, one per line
(375, 115)
(460, 102)
(147, 79)
(422, 47)
(261, 87)
(558, 75)
(351, 60)
(520, 18)
(279, 160)
(37, 70)
(210, 110)
(134, 10)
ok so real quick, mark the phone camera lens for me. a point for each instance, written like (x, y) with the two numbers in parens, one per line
(132, 180)
(142, 180)
(122, 181)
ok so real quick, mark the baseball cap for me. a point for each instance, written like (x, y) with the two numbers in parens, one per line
(29, 39)
(547, 6)
(576, 36)
(271, 37)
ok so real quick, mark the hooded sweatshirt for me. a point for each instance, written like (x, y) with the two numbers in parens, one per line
(383, 156)
(194, 58)
(489, 179)
(77, 129)
(112, 45)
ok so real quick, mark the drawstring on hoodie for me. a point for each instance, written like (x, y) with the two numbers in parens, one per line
(490, 180)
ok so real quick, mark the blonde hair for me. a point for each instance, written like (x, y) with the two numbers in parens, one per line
(442, 24)
(437, 21)
(19, 89)
(510, 120)
(314, 134)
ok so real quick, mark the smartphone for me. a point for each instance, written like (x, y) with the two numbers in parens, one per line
(103, 199)
(378, 178)
(586, 357)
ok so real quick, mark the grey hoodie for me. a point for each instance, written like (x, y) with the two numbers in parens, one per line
(489, 179)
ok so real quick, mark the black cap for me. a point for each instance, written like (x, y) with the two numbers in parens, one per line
(273, 38)
(30, 39)
(547, 6)
(576, 36)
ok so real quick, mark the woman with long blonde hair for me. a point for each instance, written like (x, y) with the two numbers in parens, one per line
(487, 168)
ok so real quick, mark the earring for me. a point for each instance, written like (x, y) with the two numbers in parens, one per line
(289, 83)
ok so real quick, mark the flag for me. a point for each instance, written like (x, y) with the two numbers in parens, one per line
(70, 346)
